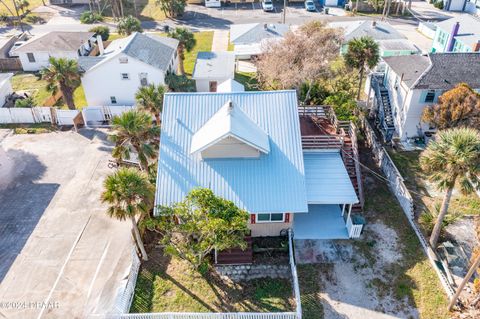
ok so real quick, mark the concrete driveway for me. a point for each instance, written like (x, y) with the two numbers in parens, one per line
(60, 255)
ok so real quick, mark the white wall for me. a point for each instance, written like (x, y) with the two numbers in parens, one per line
(41, 59)
(5, 90)
(456, 5)
(203, 85)
(105, 80)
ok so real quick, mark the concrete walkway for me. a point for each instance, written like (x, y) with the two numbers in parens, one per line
(220, 40)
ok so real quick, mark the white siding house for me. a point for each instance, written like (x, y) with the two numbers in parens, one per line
(34, 54)
(212, 69)
(113, 77)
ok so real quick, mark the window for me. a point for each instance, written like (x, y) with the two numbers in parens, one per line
(125, 76)
(271, 218)
(31, 57)
(143, 79)
(113, 100)
(123, 60)
(430, 96)
(442, 37)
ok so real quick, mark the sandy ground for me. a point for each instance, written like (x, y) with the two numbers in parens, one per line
(352, 288)
(57, 245)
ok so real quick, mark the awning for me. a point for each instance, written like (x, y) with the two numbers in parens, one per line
(327, 179)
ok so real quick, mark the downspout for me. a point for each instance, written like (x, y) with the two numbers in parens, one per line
(453, 34)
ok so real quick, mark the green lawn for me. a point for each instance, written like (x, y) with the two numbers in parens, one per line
(248, 79)
(204, 43)
(309, 282)
(169, 285)
(147, 10)
(9, 4)
(38, 88)
(413, 277)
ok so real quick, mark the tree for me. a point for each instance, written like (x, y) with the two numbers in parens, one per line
(128, 25)
(362, 53)
(134, 129)
(62, 76)
(172, 8)
(208, 222)
(102, 31)
(452, 158)
(301, 58)
(186, 43)
(129, 193)
(459, 106)
(150, 98)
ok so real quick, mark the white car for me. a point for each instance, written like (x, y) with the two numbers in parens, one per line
(267, 5)
(15, 46)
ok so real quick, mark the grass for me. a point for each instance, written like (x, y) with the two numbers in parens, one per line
(309, 282)
(147, 10)
(248, 79)
(37, 128)
(412, 277)
(204, 43)
(169, 285)
(38, 88)
(33, 5)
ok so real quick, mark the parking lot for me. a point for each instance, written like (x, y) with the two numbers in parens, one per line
(57, 245)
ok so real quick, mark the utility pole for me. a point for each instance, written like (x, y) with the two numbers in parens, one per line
(284, 10)
(472, 269)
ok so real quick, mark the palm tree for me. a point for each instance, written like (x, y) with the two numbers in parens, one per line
(134, 129)
(362, 53)
(150, 98)
(129, 194)
(62, 75)
(186, 43)
(452, 158)
(128, 25)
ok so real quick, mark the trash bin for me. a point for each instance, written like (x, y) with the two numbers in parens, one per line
(326, 10)
(166, 28)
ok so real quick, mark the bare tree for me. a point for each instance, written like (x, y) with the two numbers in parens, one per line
(302, 57)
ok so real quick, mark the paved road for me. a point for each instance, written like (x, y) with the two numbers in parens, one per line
(57, 244)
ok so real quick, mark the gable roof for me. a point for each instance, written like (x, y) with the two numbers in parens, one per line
(230, 121)
(151, 49)
(397, 45)
(469, 30)
(438, 71)
(358, 29)
(256, 32)
(274, 182)
(56, 41)
(230, 85)
(214, 65)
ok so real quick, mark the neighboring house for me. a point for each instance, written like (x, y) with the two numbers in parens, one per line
(459, 34)
(34, 54)
(213, 68)
(410, 83)
(5, 87)
(114, 76)
(247, 147)
(470, 6)
(391, 42)
(250, 39)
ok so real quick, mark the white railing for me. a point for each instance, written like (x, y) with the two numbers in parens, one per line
(199, 315)
(322, 141)
(405, 199)
(102, 115)
(293, 267)
(354, 231)
(124, 300)
(25, 115)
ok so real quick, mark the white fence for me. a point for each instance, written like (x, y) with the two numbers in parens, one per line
(404, 197)
(101, 115)
(124, 300)
(354, 231)
(25, 115)
(293, 267)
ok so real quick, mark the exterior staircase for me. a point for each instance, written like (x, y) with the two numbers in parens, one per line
(385, 120)
(236, 256)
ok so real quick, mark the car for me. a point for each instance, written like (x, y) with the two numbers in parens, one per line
(310, 6)
(267, 5)
(15, 46)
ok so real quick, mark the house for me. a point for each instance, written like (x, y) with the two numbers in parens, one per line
(230, 85)
(5, 87)
(213, 68)
(250, 39)
(459, 34)
(391, 42)
(470, 6)
(248, 147)
(114, 76)
(410, 83)
(34, 54)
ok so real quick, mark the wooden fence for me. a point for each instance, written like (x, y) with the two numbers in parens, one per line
(398, 187)
(10, 64)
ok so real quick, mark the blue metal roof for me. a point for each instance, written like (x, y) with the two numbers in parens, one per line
(327, 179)
(275, 182)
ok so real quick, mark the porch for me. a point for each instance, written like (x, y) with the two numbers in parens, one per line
(321, 222)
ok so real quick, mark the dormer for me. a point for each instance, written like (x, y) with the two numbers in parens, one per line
(230, 133)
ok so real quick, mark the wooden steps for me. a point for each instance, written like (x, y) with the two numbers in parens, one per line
(236, 256)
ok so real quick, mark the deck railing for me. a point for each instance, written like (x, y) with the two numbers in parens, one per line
(322, 141)
(354, 231)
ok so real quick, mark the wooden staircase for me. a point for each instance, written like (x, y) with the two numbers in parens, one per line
(236, 256)
(349, 157)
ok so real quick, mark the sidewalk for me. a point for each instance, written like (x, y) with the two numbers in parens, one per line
(220, 40)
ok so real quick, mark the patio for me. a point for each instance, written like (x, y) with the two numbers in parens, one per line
(321, 222)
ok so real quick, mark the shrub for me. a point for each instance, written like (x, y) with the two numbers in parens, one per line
(102, 31)
(89, 17)
(438, 4)
(429, 217)
(179, 83)
(128, 25)
(343, 105)
(26, 102)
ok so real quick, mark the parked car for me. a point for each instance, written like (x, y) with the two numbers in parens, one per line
(15, 46)
(267, 5)
(310, 6)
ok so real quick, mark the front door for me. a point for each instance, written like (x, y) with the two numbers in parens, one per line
(213, 86)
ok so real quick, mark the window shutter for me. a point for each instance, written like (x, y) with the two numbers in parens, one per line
(287, 217)
(252, 218)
